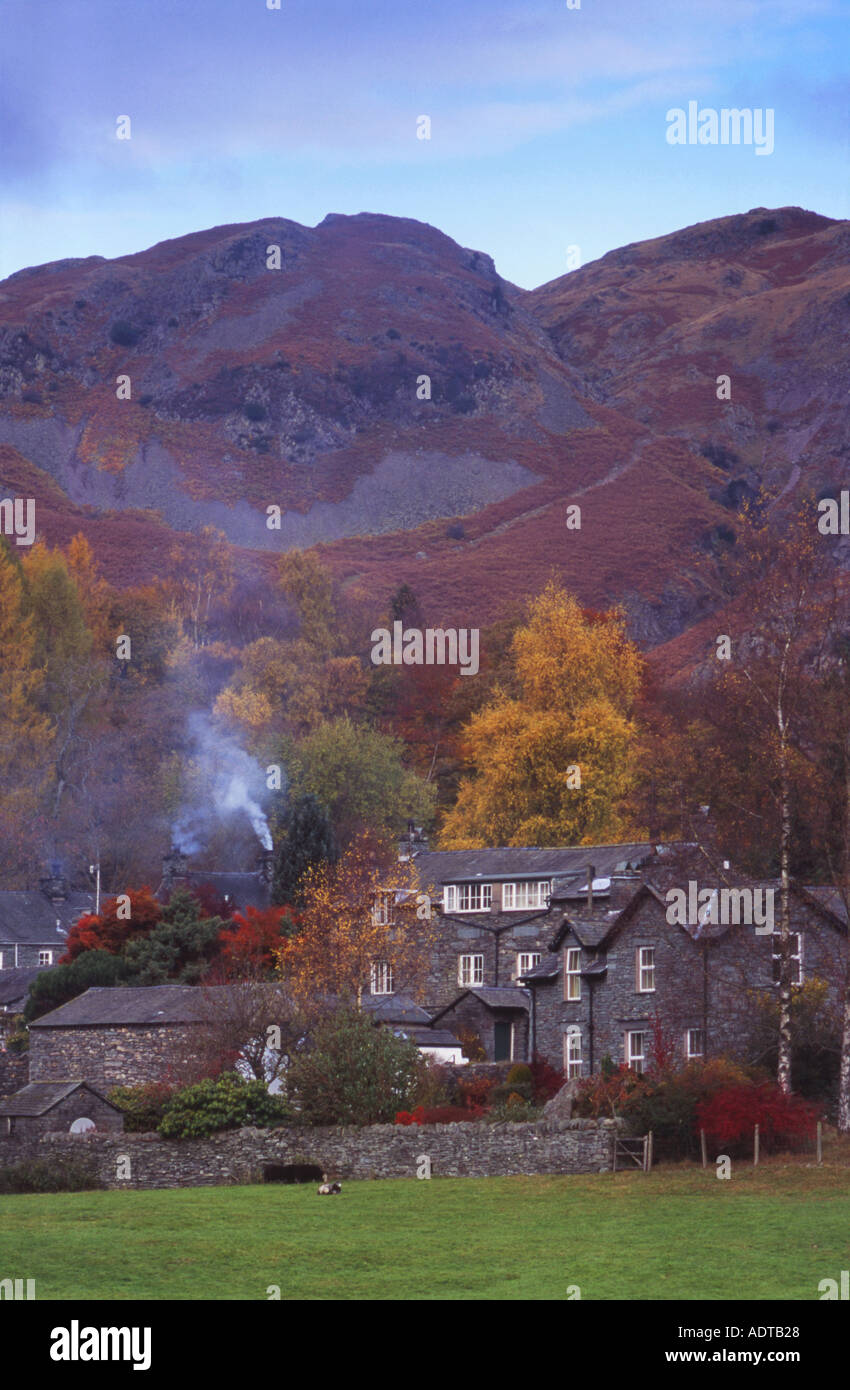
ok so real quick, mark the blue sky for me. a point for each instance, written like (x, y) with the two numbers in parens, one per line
(548, 124)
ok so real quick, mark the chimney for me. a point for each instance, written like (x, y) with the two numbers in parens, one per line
(54, 885)
(591, 874)
(265, 865)
(174, 867)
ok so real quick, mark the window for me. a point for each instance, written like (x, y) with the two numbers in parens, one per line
(525, 961)
(572, 973)
(693, 1044)
(1, 960)
(45, 957)
(645, 969)
(795, 943)
(382, 912)
(636, 1051)
(572, 1053)
(382, 978)
(516, 896)
(470, 970)
(468, 897)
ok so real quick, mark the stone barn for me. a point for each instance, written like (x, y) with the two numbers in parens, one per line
(45, 1107)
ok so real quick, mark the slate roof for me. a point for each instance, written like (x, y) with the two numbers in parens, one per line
(546, 969)
(29, 918)
(124, 1005)
(40, 1096)
(566, 862)
(830, 898)
(240, 889)
(429, 1037)
(396, 1008)
(14, 987)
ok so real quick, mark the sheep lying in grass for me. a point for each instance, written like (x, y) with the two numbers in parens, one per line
(329, 1189)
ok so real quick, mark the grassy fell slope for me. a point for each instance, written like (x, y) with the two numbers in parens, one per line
(298, 386)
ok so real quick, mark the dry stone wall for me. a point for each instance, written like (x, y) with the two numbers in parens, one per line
(380, 1151)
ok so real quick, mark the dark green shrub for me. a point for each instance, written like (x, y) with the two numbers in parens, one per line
(520, 1073)
(49, 1175)
(355, 1073)
(223, 1102)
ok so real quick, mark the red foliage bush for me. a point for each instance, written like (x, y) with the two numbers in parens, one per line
(410, 1117)
(730, 1115)
(439, 1115)
(474, 1093)
(546, 1079)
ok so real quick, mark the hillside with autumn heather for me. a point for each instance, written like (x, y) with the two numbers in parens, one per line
(304, 387)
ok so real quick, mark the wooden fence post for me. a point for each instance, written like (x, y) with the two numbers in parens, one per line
(649, 1152)
(756, 1147)
(820, 1142)
(703, 1148)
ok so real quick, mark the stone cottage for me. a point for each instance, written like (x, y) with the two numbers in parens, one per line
(34, 923)
(620, 974)
(124, 1036)
(44, 1107)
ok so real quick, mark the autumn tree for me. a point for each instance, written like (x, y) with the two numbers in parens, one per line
(135, 913)
(26, 731)
(249, 943)
(358, 914)
(201, 575)
(359, 776)
(551, 763)
(785, 572)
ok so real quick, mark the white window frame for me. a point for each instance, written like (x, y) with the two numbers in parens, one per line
(645, 970)
(382, 977)
(572, 974)
(796, 956)
(382, 912)
(1, 960)
(690, 1054)
(467, 897)
(531, 958)
(636, 1061)
(573, 1060)
(470, 970)
(525, 895)
(48, 954)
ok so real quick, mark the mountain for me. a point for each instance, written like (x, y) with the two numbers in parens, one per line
(301, 387)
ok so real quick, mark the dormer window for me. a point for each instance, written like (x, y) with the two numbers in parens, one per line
(530, 893)
(467, 897)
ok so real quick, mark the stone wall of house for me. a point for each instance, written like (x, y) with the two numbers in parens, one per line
(14, 1072)
(497, 936)
(475, 1150)
(714, 985)
(471, 1016)
(107, 1057)
(80, 1104)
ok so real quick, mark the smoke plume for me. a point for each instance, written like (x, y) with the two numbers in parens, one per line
(222, 780)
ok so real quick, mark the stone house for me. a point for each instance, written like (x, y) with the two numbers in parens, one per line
(497, 909)
(496, 1015)
(620, 975)
(234, 890)
(124, 1036)
(44, 1107)
(34, 923)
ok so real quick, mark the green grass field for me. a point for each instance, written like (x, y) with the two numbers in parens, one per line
(773, 1233)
